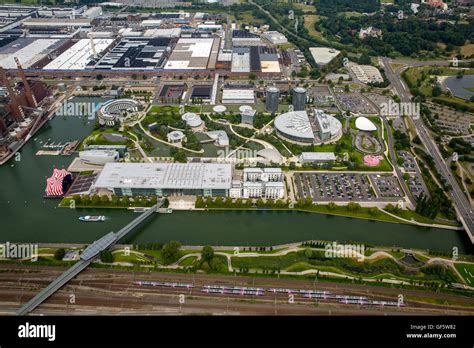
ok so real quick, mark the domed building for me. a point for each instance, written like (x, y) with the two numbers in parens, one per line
(192, 120)
(364, 124)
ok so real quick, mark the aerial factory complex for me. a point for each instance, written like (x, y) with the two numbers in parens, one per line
(251, 135)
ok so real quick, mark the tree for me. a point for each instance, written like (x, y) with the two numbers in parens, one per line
(207, 253)
(252, 76)
(374, 211)
(170, 251)
(353, 206)
(106, 256)
(59, 254)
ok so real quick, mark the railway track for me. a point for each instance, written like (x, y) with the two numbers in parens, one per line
(118, 292)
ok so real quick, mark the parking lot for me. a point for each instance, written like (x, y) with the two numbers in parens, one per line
(409, 163)
(334, 186)
(386, 186)
(416, 185)
(346, 187)
(355, 103)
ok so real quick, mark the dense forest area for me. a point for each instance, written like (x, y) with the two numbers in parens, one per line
(331, 7)
(408, 36)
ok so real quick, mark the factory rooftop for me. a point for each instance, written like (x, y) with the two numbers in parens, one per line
(78, 56)
(165, 176)
(192, 54)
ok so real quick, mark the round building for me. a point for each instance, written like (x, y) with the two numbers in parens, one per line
(111, 110)
(273, 99)
(299, 98)
(294, 126)
(192, 120)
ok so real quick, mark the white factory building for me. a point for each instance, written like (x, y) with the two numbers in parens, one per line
(366, 73)
(275, 37)
(79, 55)
(238, 96)
(166, 179)
(317, 157)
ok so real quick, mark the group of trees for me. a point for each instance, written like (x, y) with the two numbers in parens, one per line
(402, 140)
(409, 36)
(227, 202)
(428, 207)
(114, 200)
(171, 252)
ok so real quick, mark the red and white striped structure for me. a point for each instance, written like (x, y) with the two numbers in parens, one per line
(54, 184)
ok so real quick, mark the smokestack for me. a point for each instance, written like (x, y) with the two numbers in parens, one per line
(30, 97)
(16, 109)
(94, 52)
(3, 126)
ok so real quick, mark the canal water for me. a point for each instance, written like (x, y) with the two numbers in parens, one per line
(25, 216)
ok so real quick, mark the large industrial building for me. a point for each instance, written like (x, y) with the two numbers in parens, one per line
(82, 39)
(79, 55)
(136, 54)
(257, 59)
(194, 54)
(166, 179)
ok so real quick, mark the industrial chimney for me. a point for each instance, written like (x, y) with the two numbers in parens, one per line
(16, 109)
(30, 97)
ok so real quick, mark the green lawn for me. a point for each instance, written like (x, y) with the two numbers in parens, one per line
(189, 261)
(467, 272)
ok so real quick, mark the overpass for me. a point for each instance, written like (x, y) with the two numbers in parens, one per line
(87, 257)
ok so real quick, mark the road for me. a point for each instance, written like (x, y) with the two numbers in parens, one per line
(461, 204)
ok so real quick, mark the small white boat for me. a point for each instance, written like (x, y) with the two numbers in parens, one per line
(139, 210)
(90, 218)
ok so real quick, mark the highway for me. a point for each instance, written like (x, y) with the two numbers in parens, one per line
(461, 204)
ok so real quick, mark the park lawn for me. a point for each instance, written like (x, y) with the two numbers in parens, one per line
(189, 261)
(360, 213)
(412, 215)
(248, 18)
(309, 23)
(324, 148)
(304, 7)
(467, 272)
(269, 262)
(173, 108)
(304, 266)
(119, 256)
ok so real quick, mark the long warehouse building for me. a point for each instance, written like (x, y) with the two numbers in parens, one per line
(166, 179)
